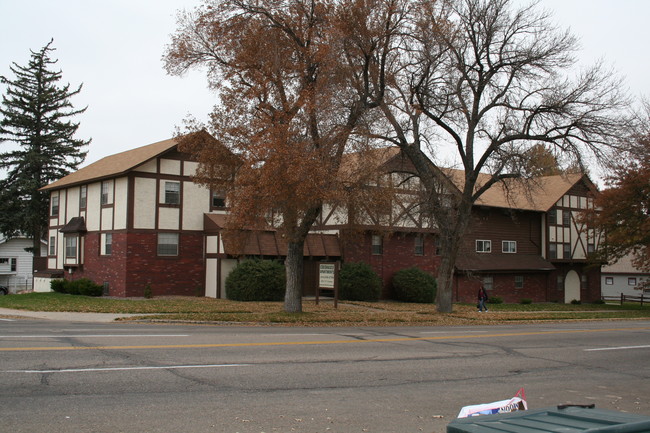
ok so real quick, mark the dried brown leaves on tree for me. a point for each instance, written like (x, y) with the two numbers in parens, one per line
(295, 80)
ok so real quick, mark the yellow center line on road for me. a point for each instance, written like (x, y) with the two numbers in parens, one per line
(324, 342)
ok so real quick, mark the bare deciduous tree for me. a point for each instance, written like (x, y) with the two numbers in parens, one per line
(484, 82)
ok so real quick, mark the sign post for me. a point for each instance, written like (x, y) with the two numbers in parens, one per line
(328, 279)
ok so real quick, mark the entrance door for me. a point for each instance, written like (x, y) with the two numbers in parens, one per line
(571, 287)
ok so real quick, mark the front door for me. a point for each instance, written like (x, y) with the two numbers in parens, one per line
(571, 287)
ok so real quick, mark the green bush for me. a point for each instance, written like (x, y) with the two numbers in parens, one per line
(526, 301)
(414, 285)
(495, 300)
(359, 282)
(58, 285)
(576, 302)
(256, 280)
(82, 286)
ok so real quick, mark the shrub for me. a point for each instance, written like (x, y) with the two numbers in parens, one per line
(256, 280)
(84, 287)
(576, 302)
(359, 282)
(526, 301)
(58, 285)
(148, 294)
(495, 300)
(414, 285)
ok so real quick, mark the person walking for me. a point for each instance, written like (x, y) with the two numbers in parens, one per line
(482, 299)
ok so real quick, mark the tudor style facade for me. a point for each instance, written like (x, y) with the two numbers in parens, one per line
(136, 219)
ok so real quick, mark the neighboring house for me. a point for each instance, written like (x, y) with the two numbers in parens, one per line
(16, 264)
(136, 219)
(622, 277)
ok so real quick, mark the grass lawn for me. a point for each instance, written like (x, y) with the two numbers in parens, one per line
(221, 311)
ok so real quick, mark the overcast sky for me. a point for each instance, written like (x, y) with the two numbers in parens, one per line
(114, 48)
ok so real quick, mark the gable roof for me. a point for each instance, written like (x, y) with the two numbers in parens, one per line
(113, 165)
(539, 195)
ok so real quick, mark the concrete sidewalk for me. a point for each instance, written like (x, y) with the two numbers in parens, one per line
(64, 316)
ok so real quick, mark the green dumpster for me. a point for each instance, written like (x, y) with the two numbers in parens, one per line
(565, 419)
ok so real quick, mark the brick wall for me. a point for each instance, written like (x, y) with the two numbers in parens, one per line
(534, 288)
(104, 269)
(179, 275)
(398, 253)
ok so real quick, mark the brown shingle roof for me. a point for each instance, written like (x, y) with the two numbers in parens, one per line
(113, 165)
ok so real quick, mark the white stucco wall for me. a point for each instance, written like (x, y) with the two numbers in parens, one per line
(144, 212)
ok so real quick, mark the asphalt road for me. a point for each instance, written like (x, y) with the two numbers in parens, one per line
(115, 377)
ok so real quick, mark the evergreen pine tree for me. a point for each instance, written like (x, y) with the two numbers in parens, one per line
(36, 112)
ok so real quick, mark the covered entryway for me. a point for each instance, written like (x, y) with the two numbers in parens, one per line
(222, 254)
(571, 287)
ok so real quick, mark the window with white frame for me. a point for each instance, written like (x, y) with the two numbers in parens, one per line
(107, 244)
(52, 245)
(509, 246)
(167, 244)
(552, 251)
(519, 281)
(107, 193)
(83, 197)
(8, 264)
(483, 246)
(566, 251)
(631, 281)
(218, 200)
(172, 192)
(71, 246)
(488, 282)
(609, 281)
(54, 211)
(377, 245)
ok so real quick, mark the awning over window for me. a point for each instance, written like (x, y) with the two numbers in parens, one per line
(75, 225)
(268, 243)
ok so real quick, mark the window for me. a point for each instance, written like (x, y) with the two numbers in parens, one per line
(552, 251)
(566, 251)
(83, 197)
(519, 281)
(107, 244)
(560, 282)
(609, 281)
(483, 246)
(167, 244)
(509, 246)
(55, 206)
(105, 192)
(377, 247)
(437, 245)
(52, 246)
(71, 247)
(218, 199)
(419, 245)
(631, 281)
(488, 283)
(566, 218)
(552, 217)
(591, 248)
(172, 192)
(584, 282)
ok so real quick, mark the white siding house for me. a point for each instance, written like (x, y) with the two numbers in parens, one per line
(16, 264)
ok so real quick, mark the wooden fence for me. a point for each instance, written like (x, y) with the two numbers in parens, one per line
(627, 298)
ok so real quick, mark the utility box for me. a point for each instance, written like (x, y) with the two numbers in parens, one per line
(565, 419)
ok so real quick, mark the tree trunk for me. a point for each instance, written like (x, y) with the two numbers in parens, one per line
(294, 272)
